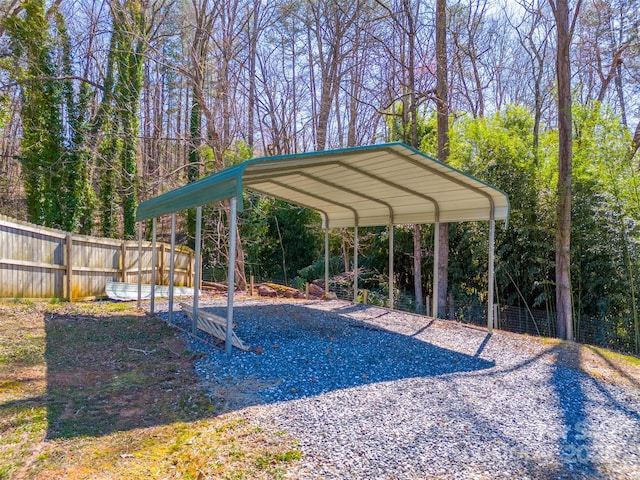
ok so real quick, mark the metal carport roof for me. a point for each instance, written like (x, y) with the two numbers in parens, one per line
(362, 186)
(387, 184)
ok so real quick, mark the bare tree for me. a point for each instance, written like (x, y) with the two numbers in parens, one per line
(471, 44)
(329, 24)
(606, 35)
(533, 33)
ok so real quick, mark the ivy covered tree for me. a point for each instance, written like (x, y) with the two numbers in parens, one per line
(58, 193)
(119, 119)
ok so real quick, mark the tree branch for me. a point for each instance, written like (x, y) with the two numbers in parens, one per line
(56, 79)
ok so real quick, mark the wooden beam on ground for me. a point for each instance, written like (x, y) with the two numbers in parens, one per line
(214, 325)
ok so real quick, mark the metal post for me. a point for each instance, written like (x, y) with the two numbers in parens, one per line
(326, 261)
(436, 254)
(172, 263)
(139, 263)
(231, 273)
(391, 279)
(355, 263)
(196, 273)
(492, 233)
(153, 265)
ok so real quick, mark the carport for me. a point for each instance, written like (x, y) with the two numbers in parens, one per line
(386, 184)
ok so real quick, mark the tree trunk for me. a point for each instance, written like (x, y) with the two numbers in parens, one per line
(412, 117)
(563, 210)
(417, 267)
(253, 45)
(443, 270)
(442, 99)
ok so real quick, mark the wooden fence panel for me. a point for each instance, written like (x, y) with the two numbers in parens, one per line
(34, 262)
(31, 261)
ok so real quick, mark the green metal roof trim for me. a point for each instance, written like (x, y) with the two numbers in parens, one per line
(364, 186)
(221, 185)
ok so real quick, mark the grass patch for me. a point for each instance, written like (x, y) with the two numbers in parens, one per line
(268, 458)
(615, 356)
(101, 390)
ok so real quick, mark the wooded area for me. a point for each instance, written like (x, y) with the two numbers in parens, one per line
(105, 103)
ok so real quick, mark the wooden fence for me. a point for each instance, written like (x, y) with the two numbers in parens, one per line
(38, 262)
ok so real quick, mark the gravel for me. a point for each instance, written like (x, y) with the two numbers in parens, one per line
(376, 394)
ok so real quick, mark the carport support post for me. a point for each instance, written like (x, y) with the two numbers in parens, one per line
(326, 261)
(492, 233)
(172, 263)
(355, 264)
(436, 254)
(196, 273)
(139, 263)
(231, 273)
(153, 265)
(391, 279)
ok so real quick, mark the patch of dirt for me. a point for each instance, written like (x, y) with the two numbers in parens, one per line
(609, 366)
(235, 393)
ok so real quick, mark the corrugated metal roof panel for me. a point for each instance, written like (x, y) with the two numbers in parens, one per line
(364, 186)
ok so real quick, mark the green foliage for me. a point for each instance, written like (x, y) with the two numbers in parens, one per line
(280, 239)
(605, 231)
(118, 120)
(240, 152)
(54, 161)
(193, 172)
(5, 109)
(499, 150)
(399, 126)
(129, 29)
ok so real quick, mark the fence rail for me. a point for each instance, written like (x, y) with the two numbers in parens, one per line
(39, 262)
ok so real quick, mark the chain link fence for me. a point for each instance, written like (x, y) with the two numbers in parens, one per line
(617, 334)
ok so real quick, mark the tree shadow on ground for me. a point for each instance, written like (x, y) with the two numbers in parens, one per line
(117, 373)
(575, 443)
(305, 352)
(575, 397)
(576, 393)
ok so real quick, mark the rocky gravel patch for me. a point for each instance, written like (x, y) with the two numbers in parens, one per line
(372, 393)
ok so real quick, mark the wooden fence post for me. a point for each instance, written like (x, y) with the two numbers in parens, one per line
(251, 285)
(69, 245)
(123, 261)
(161, 264)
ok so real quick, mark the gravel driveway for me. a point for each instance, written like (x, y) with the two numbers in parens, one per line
(374, 394)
